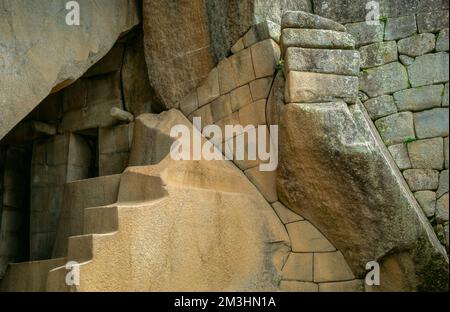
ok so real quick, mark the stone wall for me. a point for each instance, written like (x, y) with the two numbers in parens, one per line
(404, 87)
(14, 185)
(237, 92)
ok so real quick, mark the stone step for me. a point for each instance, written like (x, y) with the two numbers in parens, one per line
(80, 248)
(101, 220)
(29, 276)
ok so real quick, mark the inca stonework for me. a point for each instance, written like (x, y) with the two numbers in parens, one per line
(356, 111)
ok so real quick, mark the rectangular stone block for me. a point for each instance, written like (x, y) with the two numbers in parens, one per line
(341, 62)
(418, 99)
(253, 114)
(431, 123)
(115, 139)
(417, 45)
(396, 128)
(79, 151)
(260, 88)
(265, 182)
(400, 27)
(433, 21)
(399, 153)
(385, 79)
(300, 19)
(285, 214)
(189, 104)
(378, 54)
(110, 164)
(299, 267)
(381, 106)
(442, 41)
(427, 154)
(209, 90)
(429, 69)
(316, 39)
(240, 97)
(422, 179)
(306, 238)
(57, 149)
(365, 33)
(265, 56)
(303, 87)
(331, 267)
(235, 71)
(221, 107)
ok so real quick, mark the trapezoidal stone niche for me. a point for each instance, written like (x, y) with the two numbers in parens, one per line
(336, 171)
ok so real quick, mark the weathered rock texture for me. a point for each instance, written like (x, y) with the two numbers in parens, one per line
(30, 67)
(185, 39)
(336, 172)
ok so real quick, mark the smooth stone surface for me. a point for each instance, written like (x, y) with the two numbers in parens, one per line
(426, 200)
(299, 19)
(417, 45)
(442, 209)
(365, 34)
(316, 39)
(433, 21)
(443, 183)
(427, 154)
(442, 41)
(400, 155)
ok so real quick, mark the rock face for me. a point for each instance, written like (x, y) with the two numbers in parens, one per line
(185, 39)
(27, 60)
(364, 213)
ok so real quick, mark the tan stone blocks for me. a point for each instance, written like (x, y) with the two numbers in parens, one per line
(295, 286)
(285, 214)
(347, 286)
(221, 107)
(299, 267)
(331, 267)
(265, 181)
(240, 97)
(260, 88)
(253, 114)
(306, 238)
(209, 90)
(205, 114)
(265, 55)
(235, 71)
(189, 104)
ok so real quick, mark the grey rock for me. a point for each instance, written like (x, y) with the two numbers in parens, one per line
(445, 97)
(185, 40)
(385, 79)
(446, 147)
(341, 62)
(422, 179)
(275, 101)
(380, 106)
(429, 69)
(386, 212)
(400, 155)
(362, 96)
(304, 87)
(442, 41)
(418, 99)
(431, 123)
(377, 54)
(427, 154)
(433, 21)
(299, 19)
(406, 60)
(443, 184)
(417, 45)
(396, 128)
(52, 66)
(442, 209)
(400, 27)
(316, 38)
(344, 11)
(427, 200)
(365, 33)
(262, 31)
